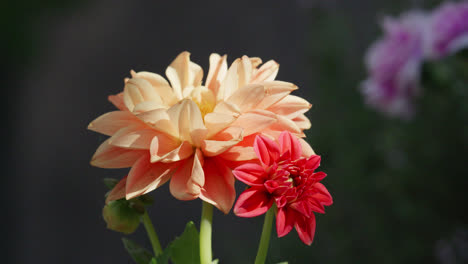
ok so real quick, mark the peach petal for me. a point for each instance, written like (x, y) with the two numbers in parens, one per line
(290, 107)
(111, 157)
(216, 122)
(139, 90)
(302, 122)
(222, 141)
(145, 176)
(159, 119)
(230, 83)
(247, 97)
(118, 192)
(166, 150)
(256, 61)
(255, 121)
(117, 101)
(285, 124)
(133, 137)
(183, 73)
(219, 185)
(267, 72)
(216, 73)
(307, 150)
(186, 116)
(146, 106)
(244, 72)
(188, 179)
(160, 85)
(110, 123)
(275, 92)
(227, 108)
(239, 153)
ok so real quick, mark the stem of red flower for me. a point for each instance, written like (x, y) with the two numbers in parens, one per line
(151, 234)
(205, 233)
(265, 239)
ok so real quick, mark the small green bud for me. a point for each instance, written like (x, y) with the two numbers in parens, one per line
(121, 217)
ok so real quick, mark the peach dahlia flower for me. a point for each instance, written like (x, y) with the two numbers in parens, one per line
(192, 134)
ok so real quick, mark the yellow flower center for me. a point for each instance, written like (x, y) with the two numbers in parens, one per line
(204, 98)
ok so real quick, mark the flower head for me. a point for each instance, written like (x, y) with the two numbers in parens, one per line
(285, 177)
(448, 29)
(394, 64)
(190, 133)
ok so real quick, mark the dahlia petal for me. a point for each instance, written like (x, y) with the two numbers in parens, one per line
(251, 174)
(219, 185)
(302, 122)
(133, 137)
(254, 121)
(301, 207)
(145, 176)
(160, 85)
(247, 97)
(188, 179)
(313, 162)
(256, 61)
(290, 107)
(267, 72)
(275, 92)
(216, 122)
(225, 107)
(111, 157)
(289, 143)
(137, 91)
(307, 150)
(117, 101)
(147, 106)
(244, 72)
(230, 83)
(216, 73)
(253, 202)
(159, 119)
(239, 153)
(118, 192)
(222, 141)
(187, 118)
(305, 227)
(322, 195)
(183, 73)
(165, 149)
(284, 221)
(267, 150)
(110, 123)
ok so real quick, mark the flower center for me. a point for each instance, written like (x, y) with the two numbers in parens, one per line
(204, 98)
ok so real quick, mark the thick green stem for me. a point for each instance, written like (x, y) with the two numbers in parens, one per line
(265, 239)
(151, 234)
(205, 233)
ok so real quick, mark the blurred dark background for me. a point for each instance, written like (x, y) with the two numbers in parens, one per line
(399, 187)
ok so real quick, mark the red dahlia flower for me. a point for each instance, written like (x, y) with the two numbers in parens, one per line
(287, 178)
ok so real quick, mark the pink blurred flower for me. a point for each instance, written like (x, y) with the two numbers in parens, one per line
(448, 29)
(285, 177)
(191, 134)
(394, 63)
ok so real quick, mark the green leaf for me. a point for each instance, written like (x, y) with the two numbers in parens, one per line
(164, 257)
(139, 254)
(185, 249)
(153, 261)
(284, 262)
(216, 261)
(110, 183)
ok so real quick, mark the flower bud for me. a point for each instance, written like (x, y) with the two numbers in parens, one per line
(121, 217)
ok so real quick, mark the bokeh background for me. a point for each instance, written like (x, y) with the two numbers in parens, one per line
(399, 187)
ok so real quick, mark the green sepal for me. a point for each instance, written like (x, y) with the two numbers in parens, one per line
(139, 254)
(120, 217)
(110, 183)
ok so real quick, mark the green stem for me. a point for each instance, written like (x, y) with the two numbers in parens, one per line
(205, 233)
(151, 234)
(265, 239)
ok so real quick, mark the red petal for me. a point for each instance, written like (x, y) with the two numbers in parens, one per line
(305, 228)
(289, 142)
(313, 162)
(251, 174)
(253, 202)
(322, 195)
(266, 149)
(284, 221)
(219, 185)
